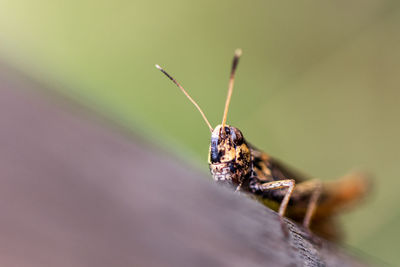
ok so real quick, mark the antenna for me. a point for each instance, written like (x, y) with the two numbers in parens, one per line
(238, 53)
(187, 95)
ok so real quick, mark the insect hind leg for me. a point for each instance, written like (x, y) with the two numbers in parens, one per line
(316, 187)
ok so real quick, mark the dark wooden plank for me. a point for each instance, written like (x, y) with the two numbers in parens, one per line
(76, 192)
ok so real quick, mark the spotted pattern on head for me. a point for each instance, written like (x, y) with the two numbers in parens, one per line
(229, 155)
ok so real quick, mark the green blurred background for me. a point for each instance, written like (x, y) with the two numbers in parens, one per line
(317, 85)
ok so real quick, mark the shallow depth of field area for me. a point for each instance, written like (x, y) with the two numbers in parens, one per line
(317, 85)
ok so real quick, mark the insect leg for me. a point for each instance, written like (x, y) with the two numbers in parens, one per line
(316, 187)
(339, 194)
(289, 184)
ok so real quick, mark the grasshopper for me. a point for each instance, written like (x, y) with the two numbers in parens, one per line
(237, 163)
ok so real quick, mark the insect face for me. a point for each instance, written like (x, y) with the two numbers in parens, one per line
(229, 156)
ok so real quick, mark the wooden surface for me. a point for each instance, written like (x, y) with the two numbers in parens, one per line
(76, 192)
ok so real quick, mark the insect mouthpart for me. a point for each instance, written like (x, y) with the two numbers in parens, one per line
(222, 171)
(228, 173)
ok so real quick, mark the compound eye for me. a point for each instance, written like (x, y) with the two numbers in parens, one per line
(225, 132)
(236, 136)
